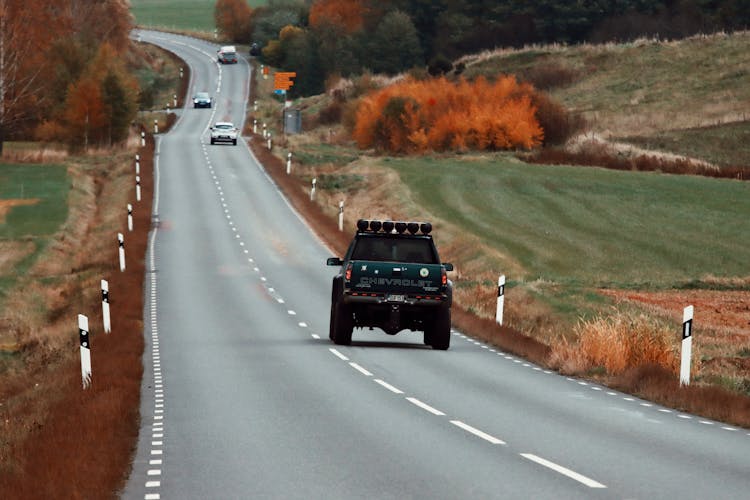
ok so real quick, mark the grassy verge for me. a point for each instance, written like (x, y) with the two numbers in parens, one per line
(59, 441)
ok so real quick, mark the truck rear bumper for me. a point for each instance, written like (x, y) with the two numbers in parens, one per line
(407, 301)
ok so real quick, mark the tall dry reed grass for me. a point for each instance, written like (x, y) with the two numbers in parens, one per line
(616, 343)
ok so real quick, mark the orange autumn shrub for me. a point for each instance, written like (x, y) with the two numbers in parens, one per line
(414, 116)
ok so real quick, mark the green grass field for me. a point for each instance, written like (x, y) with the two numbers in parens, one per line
(47, 183)
(590, 226)
(36, 223)
(190, 15)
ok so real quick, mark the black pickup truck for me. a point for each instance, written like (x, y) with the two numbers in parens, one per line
(392, 278)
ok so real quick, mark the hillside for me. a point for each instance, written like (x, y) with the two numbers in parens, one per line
(687, 96)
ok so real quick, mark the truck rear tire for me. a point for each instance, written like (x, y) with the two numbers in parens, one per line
(343, 323)
(441, 332)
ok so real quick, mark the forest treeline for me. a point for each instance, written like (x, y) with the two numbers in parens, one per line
(321, 38)
(63, 71)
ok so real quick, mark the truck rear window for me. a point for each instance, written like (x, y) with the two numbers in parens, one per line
(415, 250)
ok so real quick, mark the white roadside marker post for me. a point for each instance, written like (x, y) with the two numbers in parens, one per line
(174, 100)
(312, 190)
(106, 319)
(255, 106)
(341, 216)
(143, 138)
(121, 245)
(500, 299)
(687, 345)
(130, 217)
(269, 141)
(156, 126)
(137, 164)
(180, 72)
(137, 188)
(289, 163)
(255, 126)
(83, 334)
(264, 130)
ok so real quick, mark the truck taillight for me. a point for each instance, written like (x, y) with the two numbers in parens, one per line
(444, 277)
(348, 274)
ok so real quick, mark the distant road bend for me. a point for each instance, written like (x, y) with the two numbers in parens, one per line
(244, 396)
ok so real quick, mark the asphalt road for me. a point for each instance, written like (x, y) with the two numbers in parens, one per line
(244, 396)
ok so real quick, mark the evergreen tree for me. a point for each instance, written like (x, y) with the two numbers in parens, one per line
(395, 44)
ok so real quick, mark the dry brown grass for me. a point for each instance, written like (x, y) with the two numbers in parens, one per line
(21, 153)
(12, 252)
(616, 343)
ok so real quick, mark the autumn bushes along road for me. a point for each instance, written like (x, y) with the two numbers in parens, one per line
(64, 71)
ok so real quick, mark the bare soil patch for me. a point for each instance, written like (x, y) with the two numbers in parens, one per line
(728, 311)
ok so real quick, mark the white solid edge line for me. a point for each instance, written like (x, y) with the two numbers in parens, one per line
(389, 386)
(338, 354)
(477, 432)
(564, 471)
(360, 369)
(425, 406)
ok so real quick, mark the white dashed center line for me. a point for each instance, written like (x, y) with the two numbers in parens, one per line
(338, 354)
(564, 471)
(389, 386)
(360, 369)
(425, 407)
(477, 432)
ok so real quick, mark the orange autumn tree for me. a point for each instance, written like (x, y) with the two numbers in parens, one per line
(85, 112)
(414, 116)
(233, 19)
(345, 14)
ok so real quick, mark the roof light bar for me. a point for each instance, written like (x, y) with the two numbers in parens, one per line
(390, 226)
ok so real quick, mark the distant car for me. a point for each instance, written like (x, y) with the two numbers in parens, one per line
(224, 132)
(202, 100)
(227, 54)
(255, 50)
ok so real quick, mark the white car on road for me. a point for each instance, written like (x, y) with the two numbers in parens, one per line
(224, 132)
